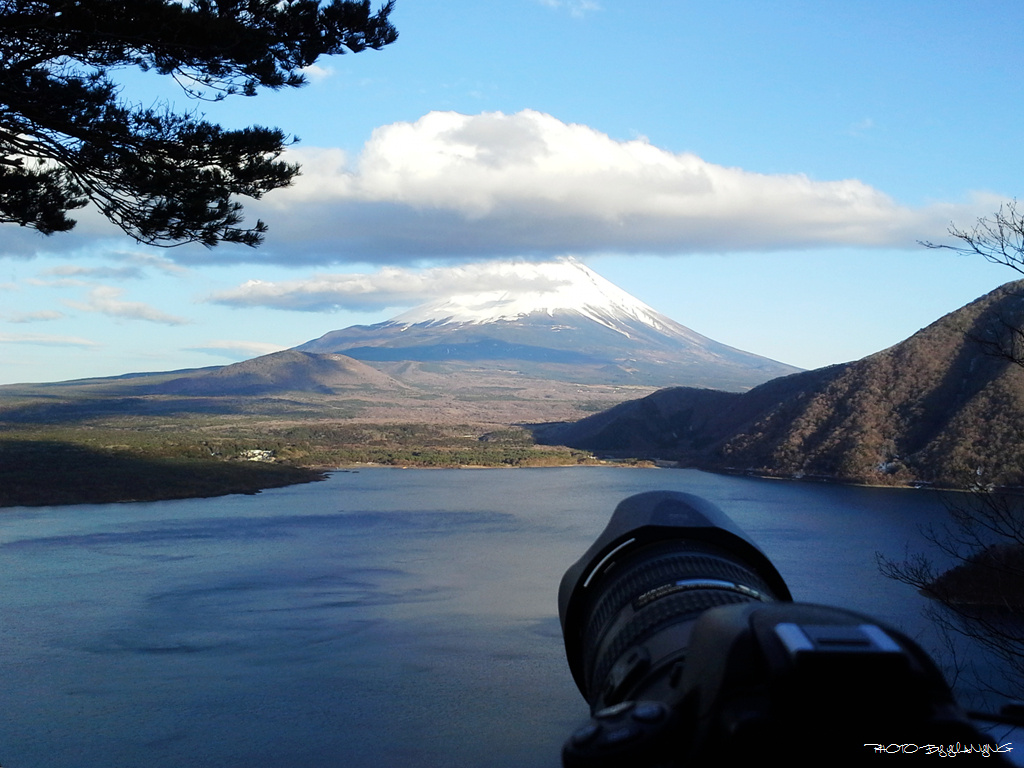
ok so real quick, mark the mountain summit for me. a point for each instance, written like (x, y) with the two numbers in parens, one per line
(556, 320)
(563, 286)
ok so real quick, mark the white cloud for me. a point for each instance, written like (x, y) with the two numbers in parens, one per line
(236, 350)
(139, 264)
(105, 300)
(45, 340)
(73, 271)
(35, 317)
(497, 185)
(63, 282)
(317, 72)
(91, 228)
(152, 260)
(390, 287)
(577, 8)
(862, 127)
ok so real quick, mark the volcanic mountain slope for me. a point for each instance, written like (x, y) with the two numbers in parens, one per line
(281, 372)
(938, 407)
(570, 324)
(281, 382)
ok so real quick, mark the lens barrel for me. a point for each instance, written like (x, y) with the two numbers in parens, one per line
(650, 602)
(628, 606)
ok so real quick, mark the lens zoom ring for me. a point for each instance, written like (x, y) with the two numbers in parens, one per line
(657, 572)
(661, 612)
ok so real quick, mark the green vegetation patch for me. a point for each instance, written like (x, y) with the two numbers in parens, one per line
(144, 459)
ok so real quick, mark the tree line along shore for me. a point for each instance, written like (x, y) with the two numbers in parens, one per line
(95, 465)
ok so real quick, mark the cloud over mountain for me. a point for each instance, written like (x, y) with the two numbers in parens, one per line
(390, 287)
(497, 184)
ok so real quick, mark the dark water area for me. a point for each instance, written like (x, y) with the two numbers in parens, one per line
(384, 617)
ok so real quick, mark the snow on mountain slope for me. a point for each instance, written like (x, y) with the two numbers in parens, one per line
(562, 286)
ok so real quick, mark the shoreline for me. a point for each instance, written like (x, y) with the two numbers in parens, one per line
(196, 479)
(71, 477)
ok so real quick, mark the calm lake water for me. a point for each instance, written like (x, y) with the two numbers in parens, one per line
(384, 617)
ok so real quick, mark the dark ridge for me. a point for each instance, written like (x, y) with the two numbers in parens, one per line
(937, 408)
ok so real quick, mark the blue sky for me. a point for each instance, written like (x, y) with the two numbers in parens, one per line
(759, 171)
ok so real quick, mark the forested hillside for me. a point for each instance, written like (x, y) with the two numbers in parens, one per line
(936, 408)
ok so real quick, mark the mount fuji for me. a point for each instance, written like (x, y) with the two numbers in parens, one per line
(558, 342)
(561, 321)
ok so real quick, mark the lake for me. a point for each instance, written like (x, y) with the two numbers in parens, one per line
(384, 617)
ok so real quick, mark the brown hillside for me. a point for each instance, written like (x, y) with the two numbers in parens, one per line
(938, 407)
(281, 372)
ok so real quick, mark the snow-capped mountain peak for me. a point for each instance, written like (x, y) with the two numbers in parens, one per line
(558, 321)
(563, 286)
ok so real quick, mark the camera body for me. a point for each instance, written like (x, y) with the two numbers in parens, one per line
(684, 639)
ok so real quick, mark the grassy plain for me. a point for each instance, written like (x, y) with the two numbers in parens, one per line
(139, 459)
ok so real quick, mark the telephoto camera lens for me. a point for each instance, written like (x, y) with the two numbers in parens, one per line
(628, 606)
(689, 649)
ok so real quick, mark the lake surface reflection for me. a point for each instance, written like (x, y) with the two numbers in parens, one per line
(384, 617)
